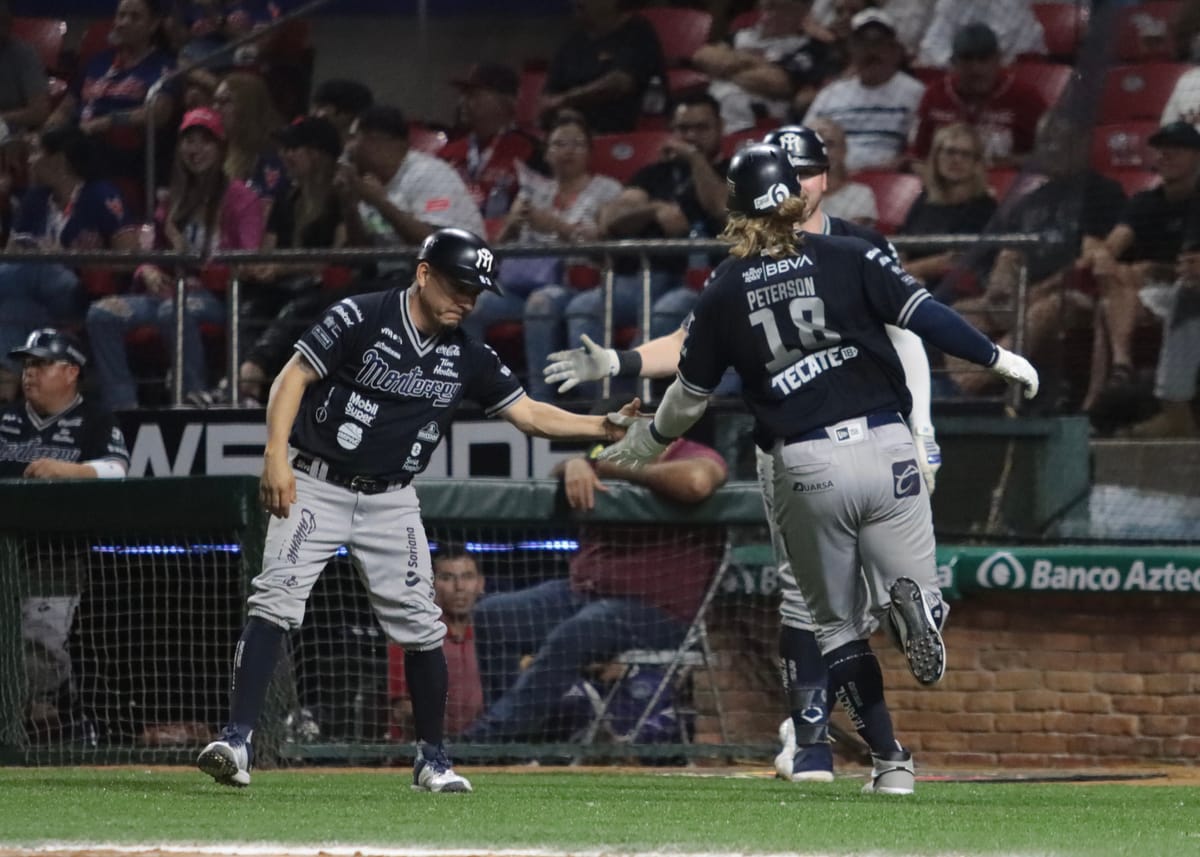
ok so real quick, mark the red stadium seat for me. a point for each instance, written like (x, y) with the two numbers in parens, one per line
(95, 40)
(528, 91)
(1049, 79)
(685, 81)
(622, 155)
(1122, 146)
(1064, 25)
(44, 35)
(732, 142)
(745, 21)
(1134, 181)
(1144, 31)
(427, 140)
(1138, 91)
(1005, 182)
(681, 32)
(894, 195)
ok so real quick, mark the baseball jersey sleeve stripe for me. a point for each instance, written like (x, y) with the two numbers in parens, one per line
(506, 403)
(695, 389)
(906, 311)
(312, 358)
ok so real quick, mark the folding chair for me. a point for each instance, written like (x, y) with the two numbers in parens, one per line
(695, 652)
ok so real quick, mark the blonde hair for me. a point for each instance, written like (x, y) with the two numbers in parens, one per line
(254, 120)
(936, 189)
(774, 235)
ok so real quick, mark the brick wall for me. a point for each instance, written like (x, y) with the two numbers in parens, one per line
(1034, 680)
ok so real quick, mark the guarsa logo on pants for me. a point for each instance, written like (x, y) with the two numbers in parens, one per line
(1001, 570)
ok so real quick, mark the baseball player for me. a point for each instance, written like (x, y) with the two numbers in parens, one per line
(355, 414)
(806, 755)
(54, 433)
(801, 320)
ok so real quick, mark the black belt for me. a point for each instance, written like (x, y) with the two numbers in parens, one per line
(875, 419)
(361, 484)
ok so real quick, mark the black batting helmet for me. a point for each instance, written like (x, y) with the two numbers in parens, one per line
(463, 257)
(50, 344)
(760, 177)
(804, 146)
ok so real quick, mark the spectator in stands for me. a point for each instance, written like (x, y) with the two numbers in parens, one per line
(1074, 201)
(309, 215)
(843, 198)
(486, 157)
(69, 206)
(604, 67)
(109, 100)
(635, 587)
(1136, 264)
(558, 210)
(956, 200)
(1184, 102)
(980, 92)
(769, 67)
(24, 90)
(341, 101)
(204, 211)
(877, 104)
(395, 195)
(457, 586)
(250, 121)
(1016, 27)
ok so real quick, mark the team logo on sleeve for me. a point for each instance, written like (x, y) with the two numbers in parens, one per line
(906, 478)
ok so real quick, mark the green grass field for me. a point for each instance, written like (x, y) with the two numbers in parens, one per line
(605, 811)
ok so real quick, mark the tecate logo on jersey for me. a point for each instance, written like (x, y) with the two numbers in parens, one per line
(811, 366)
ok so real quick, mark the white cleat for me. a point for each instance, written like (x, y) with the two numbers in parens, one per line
(226, 760)
(432, 772)
(891, 775)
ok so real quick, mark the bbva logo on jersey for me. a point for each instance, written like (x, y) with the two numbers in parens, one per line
(783, 266)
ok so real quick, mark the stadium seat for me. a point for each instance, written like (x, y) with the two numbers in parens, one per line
(745, 20)
(681, 32)
(1005, 182)
(45, 35)
(1064, 25)
(1134, 181)
(622, 155)
(894, 195)
(1122, 146)
(685, 81)
(94, 40)
(1138, 91)
(529, 89)
(1143, 31)
(732, 142)
(428, 140)
(1049, 79)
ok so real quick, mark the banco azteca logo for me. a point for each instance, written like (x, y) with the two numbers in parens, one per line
(1001, 570)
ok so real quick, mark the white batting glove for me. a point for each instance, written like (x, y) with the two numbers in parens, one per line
(638, 448)
(590, 363)
(929, 455)
(1016, 368)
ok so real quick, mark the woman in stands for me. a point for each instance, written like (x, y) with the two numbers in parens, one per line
(562, 209)
(202, 212)
(250, 120)
(955, 201)
(109, 98)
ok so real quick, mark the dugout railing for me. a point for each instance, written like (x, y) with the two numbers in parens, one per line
(226, 268)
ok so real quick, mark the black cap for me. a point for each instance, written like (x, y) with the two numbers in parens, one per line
(489, 75)
(1176, 135)
(760, 177)
(463, 257)
(804, 146)
(312, 131)
(343, 95)
(50, 344)
(975, 40)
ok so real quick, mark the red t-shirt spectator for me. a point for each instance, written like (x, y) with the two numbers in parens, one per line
(491, 167)
(464, 696)
(1006, 121)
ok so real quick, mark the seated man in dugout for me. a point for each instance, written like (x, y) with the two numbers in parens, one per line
(631, 586)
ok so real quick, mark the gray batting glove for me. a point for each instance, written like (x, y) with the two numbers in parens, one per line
(1016, 368)
(929, 455)
(590, 363)
(638, 448)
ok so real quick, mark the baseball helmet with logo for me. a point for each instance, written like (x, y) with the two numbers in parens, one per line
(463, 257)
(50, 344)
(760, 178)
(804, 147)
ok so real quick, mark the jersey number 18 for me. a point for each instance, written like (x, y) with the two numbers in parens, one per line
(808, 315)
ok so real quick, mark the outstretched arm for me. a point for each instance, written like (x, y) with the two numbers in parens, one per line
(540, 419)
(658, 358)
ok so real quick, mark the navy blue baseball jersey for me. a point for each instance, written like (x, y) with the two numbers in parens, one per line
(805, 333)
(846, 228)
(82, 432)
(387, 393)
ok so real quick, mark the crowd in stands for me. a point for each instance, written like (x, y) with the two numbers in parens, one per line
(944, 117)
